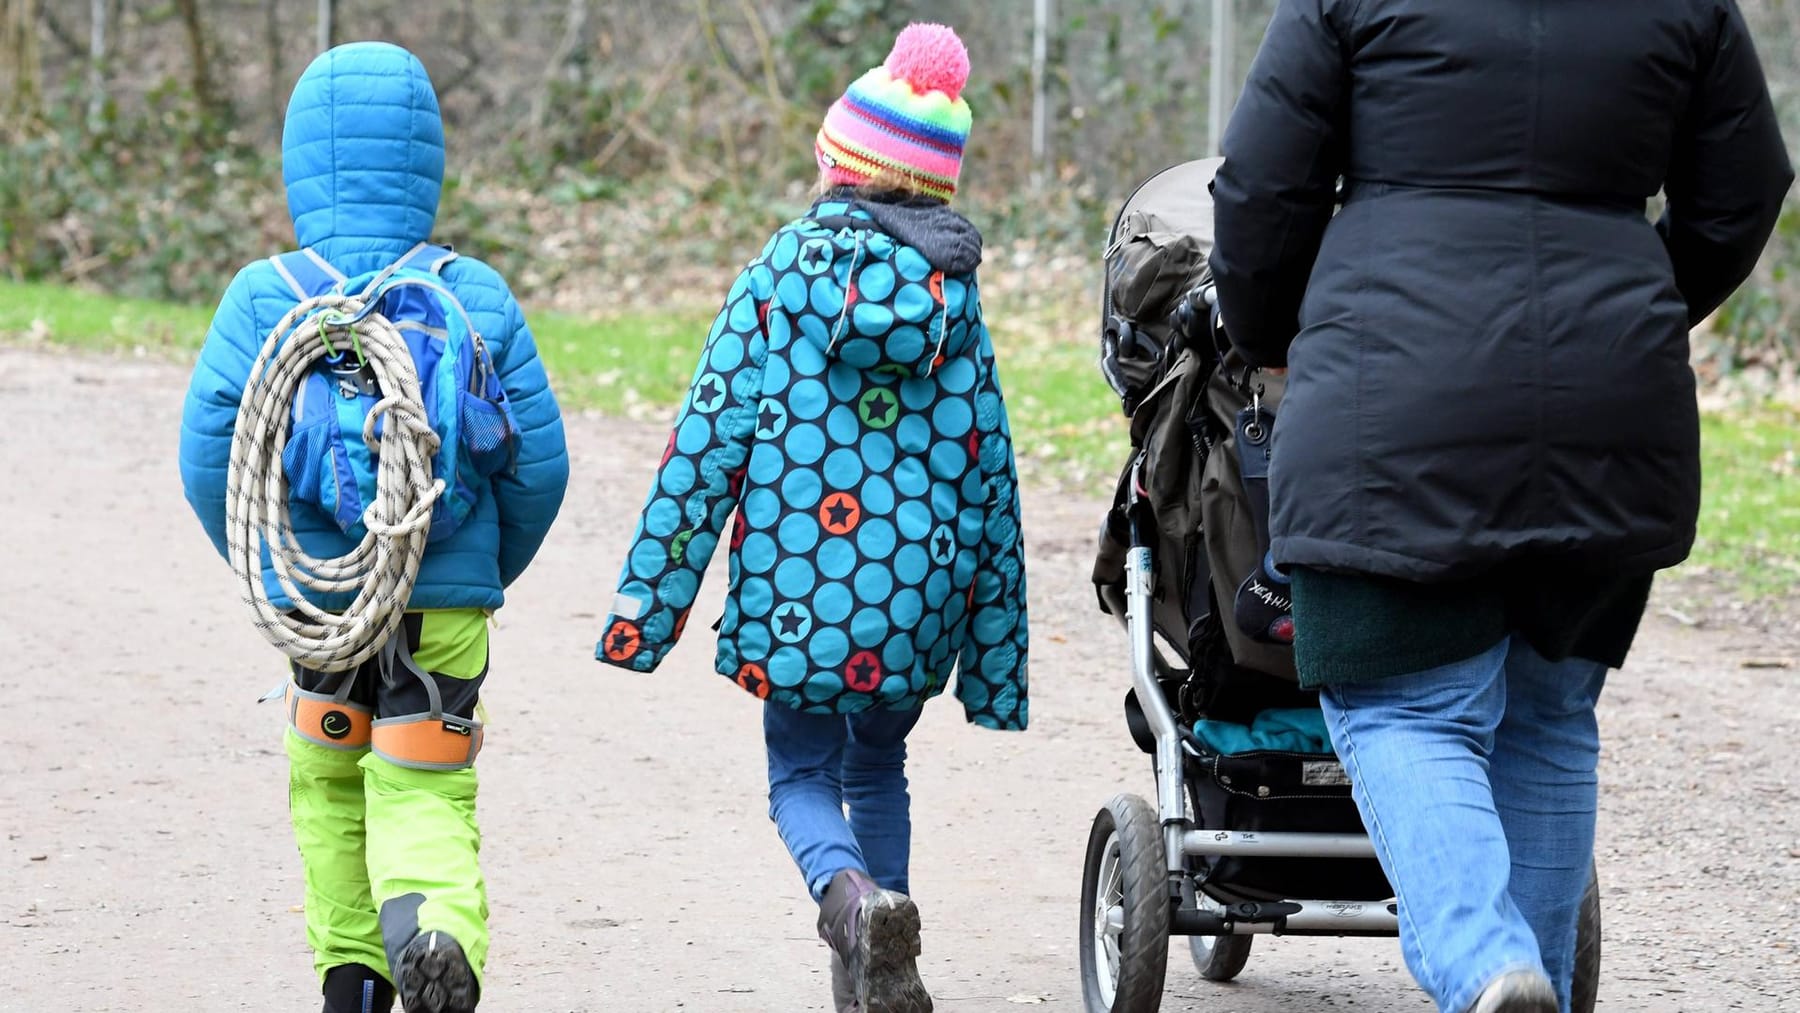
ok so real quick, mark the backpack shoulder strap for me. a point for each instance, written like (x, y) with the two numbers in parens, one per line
(422, 257)
(307, 273)
(427, 257)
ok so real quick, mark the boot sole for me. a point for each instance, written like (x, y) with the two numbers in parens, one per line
(890, 946)
(434, 976)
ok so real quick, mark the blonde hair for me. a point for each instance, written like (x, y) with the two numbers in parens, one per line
(888, 184)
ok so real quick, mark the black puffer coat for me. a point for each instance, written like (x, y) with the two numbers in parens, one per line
(1489, 342)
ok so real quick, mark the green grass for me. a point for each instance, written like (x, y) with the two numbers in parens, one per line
(637, 364)
(1750, 510)
(1066, 423)
(77, 319)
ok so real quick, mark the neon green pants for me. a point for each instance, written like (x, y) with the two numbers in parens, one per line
(390, 851)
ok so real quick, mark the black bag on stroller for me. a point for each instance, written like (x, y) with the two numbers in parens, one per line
(1200, 428)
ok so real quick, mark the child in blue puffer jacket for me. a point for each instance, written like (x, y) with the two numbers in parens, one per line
(394, 894)
(847, 408)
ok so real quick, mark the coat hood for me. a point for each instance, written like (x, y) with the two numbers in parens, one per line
(893, 283)
(362, 149)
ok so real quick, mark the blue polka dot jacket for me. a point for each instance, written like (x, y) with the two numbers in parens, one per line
(847, 409)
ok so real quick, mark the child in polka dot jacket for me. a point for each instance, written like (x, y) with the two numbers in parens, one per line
(847, 408)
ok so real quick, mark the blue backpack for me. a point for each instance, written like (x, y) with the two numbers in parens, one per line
(327, 462)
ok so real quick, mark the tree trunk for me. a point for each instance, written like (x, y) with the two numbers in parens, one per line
(19, 44)
(200, 62)
(566, 58)
(277, 86)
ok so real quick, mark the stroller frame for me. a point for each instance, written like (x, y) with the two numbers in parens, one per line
(1191, 864)
(1140, 886)
(1182, 841)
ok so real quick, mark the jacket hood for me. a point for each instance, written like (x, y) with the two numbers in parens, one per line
(362, 149)
(892, 284)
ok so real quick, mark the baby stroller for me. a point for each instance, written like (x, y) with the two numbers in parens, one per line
(1253, 830)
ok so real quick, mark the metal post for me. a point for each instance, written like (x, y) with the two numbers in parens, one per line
(1224, 43)
(96, 61)
(325, 12)
(1040, 116)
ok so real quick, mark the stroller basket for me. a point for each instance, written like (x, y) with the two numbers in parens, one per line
(1270, 791)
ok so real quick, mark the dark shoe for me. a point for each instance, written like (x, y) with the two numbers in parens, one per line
(875, 933)
(1517, 992)
(434, 976)
(843, 992)
(353, 988)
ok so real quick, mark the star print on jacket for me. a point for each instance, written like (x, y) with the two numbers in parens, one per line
(847, 409)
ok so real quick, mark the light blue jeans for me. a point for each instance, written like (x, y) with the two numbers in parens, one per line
(819, 764)
(1477, 783)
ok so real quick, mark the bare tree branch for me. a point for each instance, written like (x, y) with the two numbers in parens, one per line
(573, 35)
(200, 60)
(469, 48)
(633, 120)
(62, 33)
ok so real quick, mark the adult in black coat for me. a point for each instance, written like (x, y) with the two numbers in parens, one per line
(1489, 439)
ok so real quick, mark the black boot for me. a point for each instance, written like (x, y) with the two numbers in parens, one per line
(353, 988)
(875, 932)
(434, 976)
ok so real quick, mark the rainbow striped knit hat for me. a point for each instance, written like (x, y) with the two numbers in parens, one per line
(907, 115)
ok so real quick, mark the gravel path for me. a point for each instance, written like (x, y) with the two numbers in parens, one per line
(147, 865)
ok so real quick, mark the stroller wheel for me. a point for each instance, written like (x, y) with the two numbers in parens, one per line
(1125, 904)
(1220, 958)
(1587, 949)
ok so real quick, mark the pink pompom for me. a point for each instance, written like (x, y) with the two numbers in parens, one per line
(930, 58)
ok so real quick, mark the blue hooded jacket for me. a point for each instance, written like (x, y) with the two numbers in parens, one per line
(847, 407)
(363, 160)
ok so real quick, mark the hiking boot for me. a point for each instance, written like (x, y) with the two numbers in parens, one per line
(434, 977)
(1517, 992)
(353, 988)
(875, 933)
(843, 993)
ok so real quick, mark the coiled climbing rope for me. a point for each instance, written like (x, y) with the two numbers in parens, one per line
(382, 567)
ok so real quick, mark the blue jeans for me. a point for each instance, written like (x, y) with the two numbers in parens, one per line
(1477, 783)
(819, 764)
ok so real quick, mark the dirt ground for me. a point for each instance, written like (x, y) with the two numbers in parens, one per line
(147, 863)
